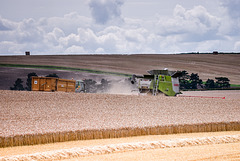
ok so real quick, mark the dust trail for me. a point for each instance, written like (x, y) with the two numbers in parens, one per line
(122, 87)
(125, 147)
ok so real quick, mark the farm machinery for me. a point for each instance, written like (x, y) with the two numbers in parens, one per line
(158, 81)
(68, 85)
(80, 86)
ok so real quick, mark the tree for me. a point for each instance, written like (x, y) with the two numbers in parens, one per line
(222, 82)
(195, 81)
(29, 81)
(184, 80)
(210, 83)
(53, 75)
(18, 85)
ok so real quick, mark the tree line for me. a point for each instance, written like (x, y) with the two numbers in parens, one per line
(18, 85)
(192, 81)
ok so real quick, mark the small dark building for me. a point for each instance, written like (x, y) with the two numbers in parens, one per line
(27, 52)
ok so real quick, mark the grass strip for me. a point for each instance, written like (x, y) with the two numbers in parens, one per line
(235, 85)
(64, 68)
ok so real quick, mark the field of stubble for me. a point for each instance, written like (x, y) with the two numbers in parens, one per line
(42, 112)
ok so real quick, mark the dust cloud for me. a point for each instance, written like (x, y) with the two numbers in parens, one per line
(122, 87)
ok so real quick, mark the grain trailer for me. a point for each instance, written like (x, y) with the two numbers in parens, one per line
(53, 84)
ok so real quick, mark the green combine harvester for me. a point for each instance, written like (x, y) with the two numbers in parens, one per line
(159, 81)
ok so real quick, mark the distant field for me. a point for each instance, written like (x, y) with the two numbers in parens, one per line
(206, 65)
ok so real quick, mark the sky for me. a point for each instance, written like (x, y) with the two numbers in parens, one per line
(118, 26)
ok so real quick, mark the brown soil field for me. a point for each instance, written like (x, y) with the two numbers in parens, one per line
(206, 65)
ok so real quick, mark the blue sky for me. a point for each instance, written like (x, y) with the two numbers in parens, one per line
(118, 26)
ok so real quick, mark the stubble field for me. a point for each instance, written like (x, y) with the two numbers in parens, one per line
(49, 112)
(36, 117)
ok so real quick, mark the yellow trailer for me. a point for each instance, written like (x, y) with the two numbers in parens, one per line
(52, 84)
(66, 85)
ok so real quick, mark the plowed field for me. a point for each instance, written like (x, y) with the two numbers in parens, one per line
(206, 65)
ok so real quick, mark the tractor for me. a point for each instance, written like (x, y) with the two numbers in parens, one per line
(80, 87)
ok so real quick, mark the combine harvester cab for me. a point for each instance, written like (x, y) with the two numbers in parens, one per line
(159, 81)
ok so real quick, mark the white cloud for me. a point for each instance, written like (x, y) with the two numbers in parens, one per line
(105, 10)
(75, 49)
(54, 36)
(3, 27)
(237, 46)
(99, 50)
(6, 25)
(69, 23)
(196, 22)
(187, 29)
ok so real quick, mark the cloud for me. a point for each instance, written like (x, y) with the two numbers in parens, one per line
(99, 50)
(232, 7)
(237, 46)
(196, 24)
(231, 19)
(54, 36)
(105, 10)
(75, 49)
(3, 27)
(194, 29)
(69, 23)
(6, 25)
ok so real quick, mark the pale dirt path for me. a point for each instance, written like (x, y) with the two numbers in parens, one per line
(218, 152)
(185, 153)
(216, 94)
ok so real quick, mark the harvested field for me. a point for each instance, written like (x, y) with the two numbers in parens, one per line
(40, 117)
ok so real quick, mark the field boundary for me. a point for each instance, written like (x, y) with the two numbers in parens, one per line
(34, 139)
(64, 68)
